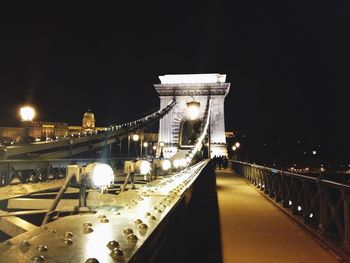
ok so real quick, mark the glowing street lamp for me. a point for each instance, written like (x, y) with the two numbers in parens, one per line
(94, 175)
(193, 109)
(234, 148)
(237, 144)
(27, 113)
(135, 137)
(145, 145)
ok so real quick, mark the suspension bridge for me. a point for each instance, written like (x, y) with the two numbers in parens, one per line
(178, 209)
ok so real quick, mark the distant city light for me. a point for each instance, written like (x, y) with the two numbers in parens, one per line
(314, 152)
(237, 144)
(234, 148)
(145, 144)
(135, 137)
(27, 113)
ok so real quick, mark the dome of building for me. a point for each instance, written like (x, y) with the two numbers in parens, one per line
(88, 121)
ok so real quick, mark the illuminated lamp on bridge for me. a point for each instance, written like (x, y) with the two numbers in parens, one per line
(193, 109)
(27, 114)
(94, 175)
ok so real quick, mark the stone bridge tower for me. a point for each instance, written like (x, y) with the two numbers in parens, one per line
(186, 88)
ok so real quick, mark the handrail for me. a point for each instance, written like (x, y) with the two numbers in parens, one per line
(321, 203)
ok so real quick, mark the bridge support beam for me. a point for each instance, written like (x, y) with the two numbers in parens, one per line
(14, 225)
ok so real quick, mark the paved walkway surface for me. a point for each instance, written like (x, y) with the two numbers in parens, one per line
(254, 230)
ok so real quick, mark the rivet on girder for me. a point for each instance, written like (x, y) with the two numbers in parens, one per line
(68, 234)
(143, 226)
(101, 216)
(91, 260)
(42, 248)
(127, 231)
(68, 241)
(87, 230)
(117, 254)
(138, 221)
(25, 243)
(87, 224)
(104, 220)
(37, 259)
(112, 244)
(52, 230)
(132, 238)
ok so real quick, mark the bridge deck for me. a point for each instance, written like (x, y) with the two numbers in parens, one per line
(254, 230)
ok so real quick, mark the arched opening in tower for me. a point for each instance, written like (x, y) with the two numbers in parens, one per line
(189, 132)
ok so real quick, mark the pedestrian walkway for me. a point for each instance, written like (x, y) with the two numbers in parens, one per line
(255, 230)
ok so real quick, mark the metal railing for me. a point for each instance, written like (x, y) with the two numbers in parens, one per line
(33, 171)
(321, 203)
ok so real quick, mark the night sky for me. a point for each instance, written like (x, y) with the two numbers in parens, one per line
(288, 63)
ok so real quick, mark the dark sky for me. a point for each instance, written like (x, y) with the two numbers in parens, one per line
(288, 63)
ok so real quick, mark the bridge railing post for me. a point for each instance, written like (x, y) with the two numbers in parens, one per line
(323, 210)
(346, 203)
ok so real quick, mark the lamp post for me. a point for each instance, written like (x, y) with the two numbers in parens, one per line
(135, 138)
(145, 145)
(193, 113)
(27, 114)
(154, 148)
(234, 148)
(161, 144)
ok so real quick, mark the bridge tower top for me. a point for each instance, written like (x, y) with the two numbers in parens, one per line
(184, 88)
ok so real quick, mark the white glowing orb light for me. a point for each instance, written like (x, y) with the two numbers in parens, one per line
(234, 148)
(27, 113)
(145, 167)
(145, 144)
(193, 109)
(178, 163)
(166, 165)
(237, 144)
(101, 174)
(135, 137)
